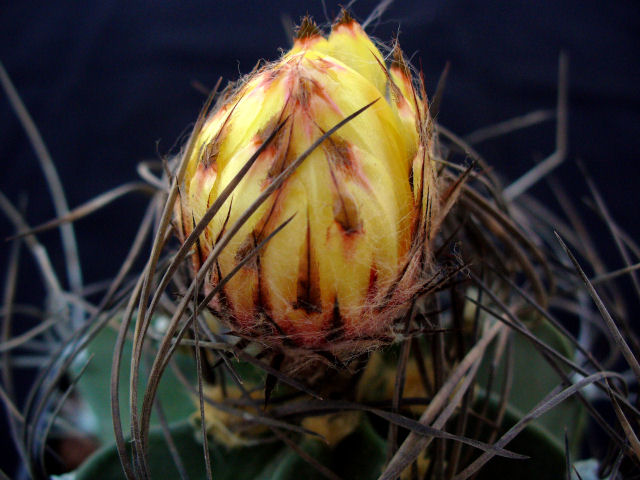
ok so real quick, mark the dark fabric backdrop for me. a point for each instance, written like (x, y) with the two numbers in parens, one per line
(109, 83)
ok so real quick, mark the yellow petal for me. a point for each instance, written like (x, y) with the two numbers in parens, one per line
(349, 43)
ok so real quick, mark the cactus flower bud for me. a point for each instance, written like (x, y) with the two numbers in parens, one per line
(357, 248)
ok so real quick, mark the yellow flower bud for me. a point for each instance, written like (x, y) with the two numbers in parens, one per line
(356, 250)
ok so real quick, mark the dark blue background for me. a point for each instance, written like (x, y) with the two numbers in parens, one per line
(109, 84)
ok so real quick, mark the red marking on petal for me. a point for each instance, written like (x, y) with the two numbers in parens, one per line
(308, 289)
(372, 289)
(346, 214)
(325, 64)
(310, 91)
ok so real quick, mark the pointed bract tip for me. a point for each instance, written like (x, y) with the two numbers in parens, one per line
(344, 18)
(307, 28)
(398, 59)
